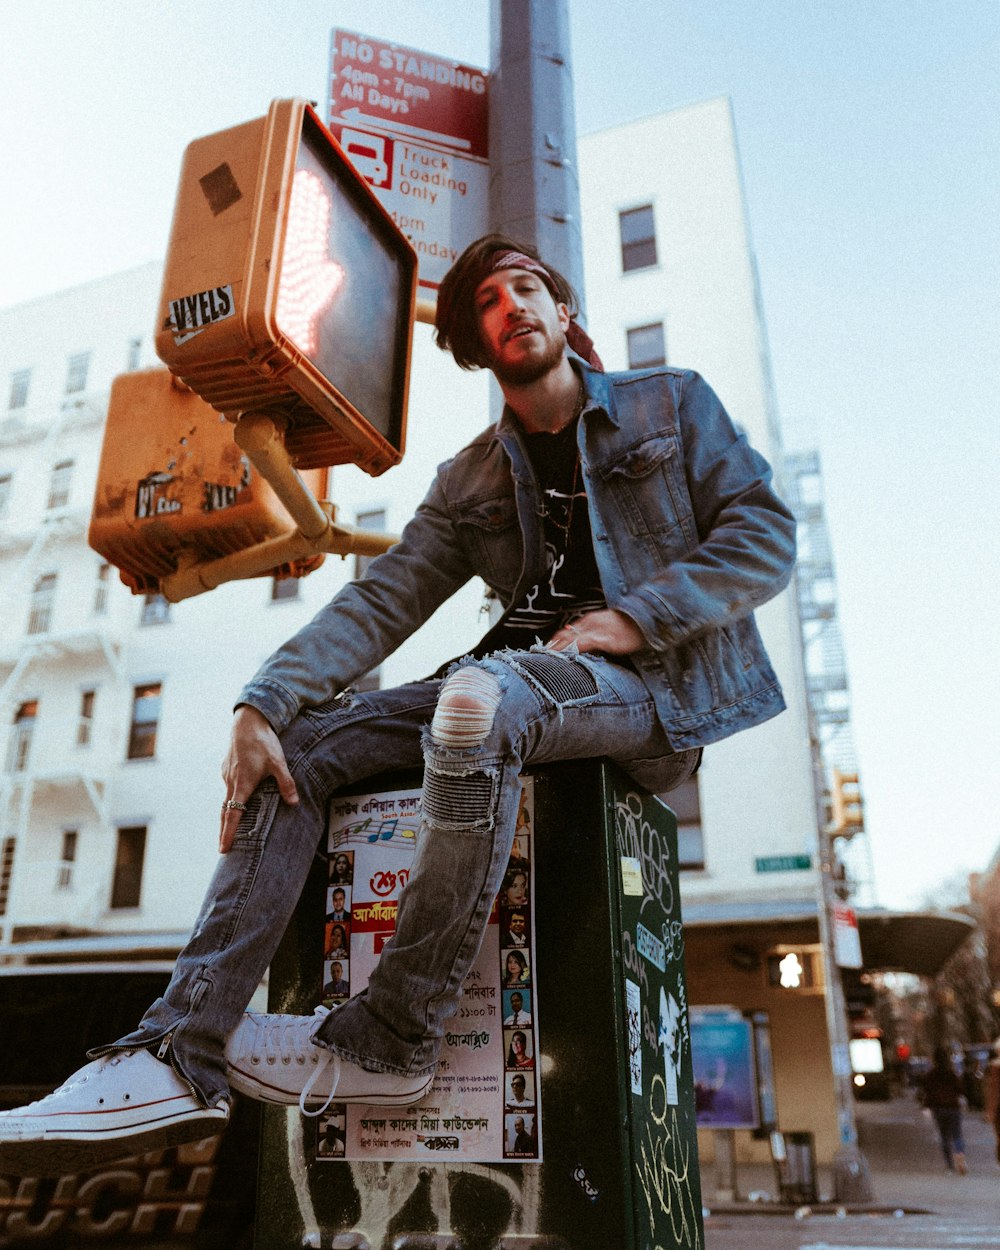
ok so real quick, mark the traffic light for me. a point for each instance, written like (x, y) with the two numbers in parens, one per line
(173, 488)
(846, 805)
(289, 289)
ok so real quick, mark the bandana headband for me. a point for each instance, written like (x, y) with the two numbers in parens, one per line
(576, 336)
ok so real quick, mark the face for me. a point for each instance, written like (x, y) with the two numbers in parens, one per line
(516, 1002)
(513, 966)
(517, 1043)
(517, 1087)
(517, 923)
(338, 900)
(522, 328)
(517, 891)
(336, 971)
(518, 1125)
(340, 865)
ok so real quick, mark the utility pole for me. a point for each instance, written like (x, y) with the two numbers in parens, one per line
(534, 178)
(852, 1181)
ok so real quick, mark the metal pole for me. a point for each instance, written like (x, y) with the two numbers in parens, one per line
(852, 1180)
(534, 180)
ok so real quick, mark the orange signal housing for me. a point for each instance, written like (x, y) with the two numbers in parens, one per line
(231, 259)
(172, 485)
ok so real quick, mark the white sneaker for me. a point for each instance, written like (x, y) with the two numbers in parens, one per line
(272, 1058)
(123, 1104)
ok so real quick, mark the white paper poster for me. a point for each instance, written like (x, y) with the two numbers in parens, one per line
(484, 1105)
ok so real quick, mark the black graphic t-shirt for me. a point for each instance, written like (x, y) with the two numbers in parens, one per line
(572, 584)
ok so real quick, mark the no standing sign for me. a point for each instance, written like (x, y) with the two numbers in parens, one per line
(415, 125)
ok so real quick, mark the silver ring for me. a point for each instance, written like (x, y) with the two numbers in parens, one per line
(233, 805)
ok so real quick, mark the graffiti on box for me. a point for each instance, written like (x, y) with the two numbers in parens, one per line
(659, 1038)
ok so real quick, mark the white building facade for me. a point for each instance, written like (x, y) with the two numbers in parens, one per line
(114, 709)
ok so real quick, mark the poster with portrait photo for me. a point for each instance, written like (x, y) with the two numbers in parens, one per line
(520, 1138)
(337, 939)
(342, 868)
(519, 1090)
(331, 1132)
(517, 1008)
(463, 1117)
(338, 902)
(519, 1050)
(336, 979)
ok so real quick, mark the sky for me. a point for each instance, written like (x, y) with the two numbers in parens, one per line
(869, 137)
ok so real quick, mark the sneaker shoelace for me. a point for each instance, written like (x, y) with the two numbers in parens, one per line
(290, 1041)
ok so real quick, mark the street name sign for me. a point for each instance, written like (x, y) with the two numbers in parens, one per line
(784, 863)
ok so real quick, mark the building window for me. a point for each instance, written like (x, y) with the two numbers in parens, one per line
(6, 873)
(126, 889)
(64, 875)
(6, 482)
(685, 803)
(284, 588)
(59, 483)
(85, 724)
(20, 737)
(638, 233)
(155, 610)
(101, 590)
(646, 346)
(20, 380)
(134, 354)
(76, 373)
(42, 596)
(145, 720)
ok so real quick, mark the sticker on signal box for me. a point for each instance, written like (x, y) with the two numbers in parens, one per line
(191, 314)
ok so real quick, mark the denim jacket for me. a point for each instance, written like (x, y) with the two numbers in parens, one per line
(688, 534)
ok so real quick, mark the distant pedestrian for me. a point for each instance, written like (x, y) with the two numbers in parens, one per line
(991, 1094)
(942, 1096)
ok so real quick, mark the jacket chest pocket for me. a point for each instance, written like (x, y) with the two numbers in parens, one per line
(491, 538)
(647, 486)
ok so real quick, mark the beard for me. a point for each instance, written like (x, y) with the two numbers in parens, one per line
(531, 368)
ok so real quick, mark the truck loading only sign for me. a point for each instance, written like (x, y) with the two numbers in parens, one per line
(416, 126)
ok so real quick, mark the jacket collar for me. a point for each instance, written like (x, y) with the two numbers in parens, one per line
(597, 393)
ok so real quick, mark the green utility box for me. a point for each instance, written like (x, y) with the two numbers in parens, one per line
(563, 1115)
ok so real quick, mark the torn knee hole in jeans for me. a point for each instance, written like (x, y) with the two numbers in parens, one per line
(466, 708)
(458, 799)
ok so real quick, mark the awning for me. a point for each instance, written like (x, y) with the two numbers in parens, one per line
(916, 942)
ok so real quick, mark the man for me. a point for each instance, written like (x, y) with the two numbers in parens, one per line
(629, 531)
(336, 984)
(338, 906)
(516, 933)
(518, 1015)
(523, 1142)
(517, 1095)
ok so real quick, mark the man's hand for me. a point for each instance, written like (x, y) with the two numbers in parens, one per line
(605, 630)
(254, 753)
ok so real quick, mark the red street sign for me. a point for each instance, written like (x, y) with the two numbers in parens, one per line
(429, 100)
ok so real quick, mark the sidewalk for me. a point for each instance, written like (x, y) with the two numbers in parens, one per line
(908, 1172)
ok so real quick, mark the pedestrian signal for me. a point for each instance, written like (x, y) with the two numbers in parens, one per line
(289, 289)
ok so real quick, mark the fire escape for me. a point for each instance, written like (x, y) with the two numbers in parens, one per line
(827, 685)
(77, 780)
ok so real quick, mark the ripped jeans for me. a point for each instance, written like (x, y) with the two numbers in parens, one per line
(526, 708)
